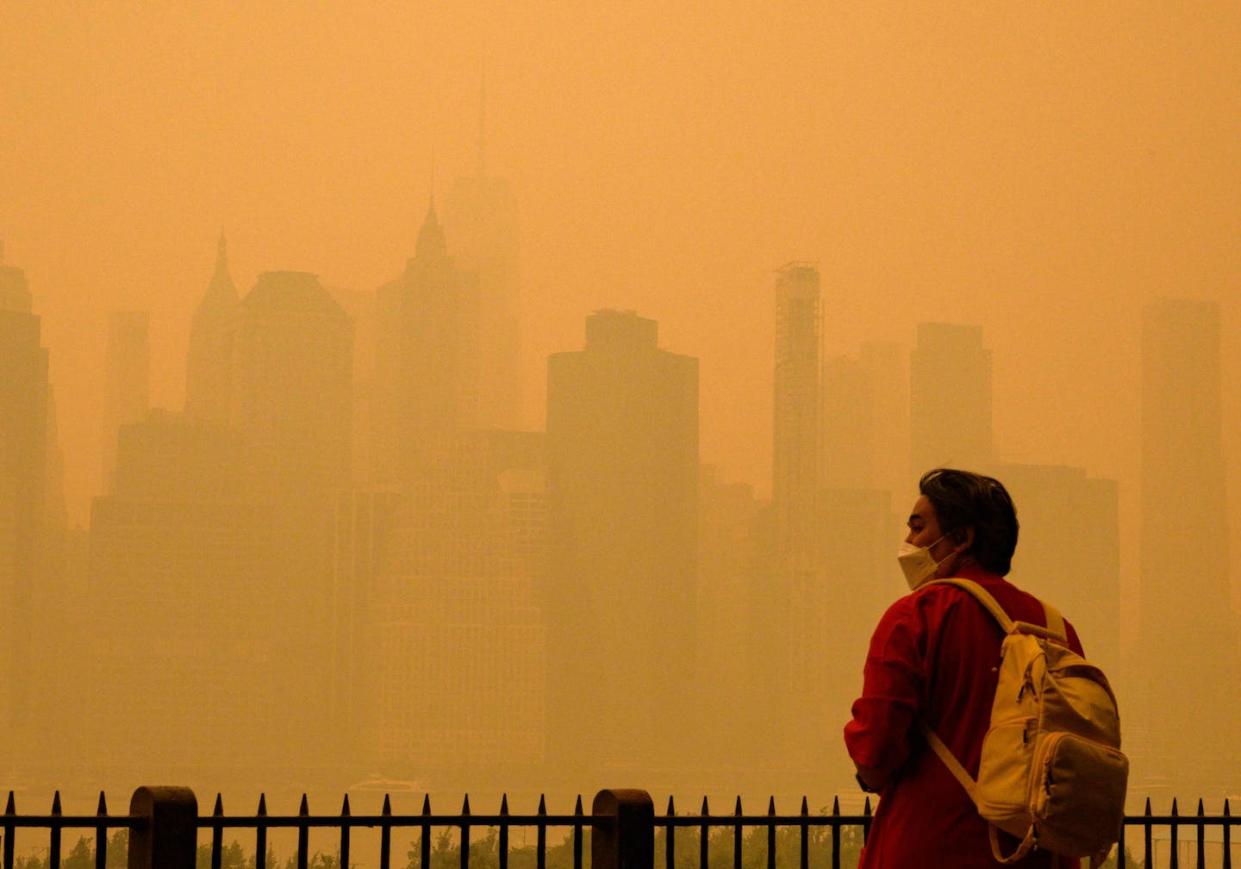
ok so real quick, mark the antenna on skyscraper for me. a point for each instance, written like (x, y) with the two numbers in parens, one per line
(482, 125)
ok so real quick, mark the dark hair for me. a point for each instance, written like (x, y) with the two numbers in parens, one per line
(966, 500)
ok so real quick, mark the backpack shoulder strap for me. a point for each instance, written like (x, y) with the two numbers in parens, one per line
(949, 760)
(1055, 622)
(983, 597)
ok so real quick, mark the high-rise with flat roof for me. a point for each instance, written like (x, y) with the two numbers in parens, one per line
(1187, 620)
(950, 398)
(622, 430)
(292, 405)
(796, 406)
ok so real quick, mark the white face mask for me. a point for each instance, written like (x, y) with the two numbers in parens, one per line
(917, 563)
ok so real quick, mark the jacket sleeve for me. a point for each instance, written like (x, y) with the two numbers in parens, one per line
(879, 735)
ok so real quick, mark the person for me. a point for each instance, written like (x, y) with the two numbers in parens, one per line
(933, 659)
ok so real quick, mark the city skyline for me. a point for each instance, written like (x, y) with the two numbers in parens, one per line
(561, 421)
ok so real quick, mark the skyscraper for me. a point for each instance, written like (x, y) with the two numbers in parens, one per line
(480, 215)
(1187, 622)
(1069, 549)
(23, 469)
(293, 386)
(950, 398)
(459, 637)
(183, 671)
(209, 366)
(426, 359)
(127, 390)
(796, 406)
(292, 405)
(622, 429)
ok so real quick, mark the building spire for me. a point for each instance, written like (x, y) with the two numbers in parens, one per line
(431, 243)
(482, 126)
(222, 286)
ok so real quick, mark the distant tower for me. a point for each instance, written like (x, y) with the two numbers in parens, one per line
(950, 398)
(796, 407)
(1188, 628)
(481, 217)
(426, 358)
(209, 368)
(622, 430)
(127, 392)
(23, 466)
(293, 388)
(292, 406)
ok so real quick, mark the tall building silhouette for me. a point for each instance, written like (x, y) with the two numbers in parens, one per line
(458, 633)
(1188, 627)
(622, 430)
(950, 398)
(796, 406)
(480, 216)
(209, 365)
(293, 386)
(127, 390)
(293, 408)
(1069, 549)
(184, 668)
(23, 488)
(426, 359)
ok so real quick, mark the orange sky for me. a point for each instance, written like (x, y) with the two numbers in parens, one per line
(1042, 171)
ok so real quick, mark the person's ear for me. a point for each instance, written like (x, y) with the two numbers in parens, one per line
(963, 539)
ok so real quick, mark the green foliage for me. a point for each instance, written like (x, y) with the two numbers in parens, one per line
(82, 854)
(485, 851)
(687, 843)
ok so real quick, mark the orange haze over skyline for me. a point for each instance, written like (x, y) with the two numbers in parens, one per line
(1042, 172)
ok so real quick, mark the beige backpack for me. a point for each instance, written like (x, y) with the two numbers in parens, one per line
(1052, 773)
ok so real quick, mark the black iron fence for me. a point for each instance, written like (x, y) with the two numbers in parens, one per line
(622, 827)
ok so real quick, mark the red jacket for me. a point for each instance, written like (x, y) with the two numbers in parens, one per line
(934, 655)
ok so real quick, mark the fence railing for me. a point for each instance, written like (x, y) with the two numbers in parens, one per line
(164, 826)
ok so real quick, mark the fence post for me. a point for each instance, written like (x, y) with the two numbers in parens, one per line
(166, 837)
(623, 835)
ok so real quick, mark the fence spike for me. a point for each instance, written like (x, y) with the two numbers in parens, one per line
(102, 808)
(387, 809)
(1148, 805)
(805, 806)
(705, 810)
(542, 804)
(836, 805)
(866, 808)
(344, 807)
(737, 807)
(671, 810)
(1200, 812)
(1227, 813)
(577, 807)
(504, 804)
(304, 809)
(56, 803)
(10, 809)
(465, 806)
(426, 804)
(1174, 813)
(262, 805)
(771, 805)
(218, 810)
